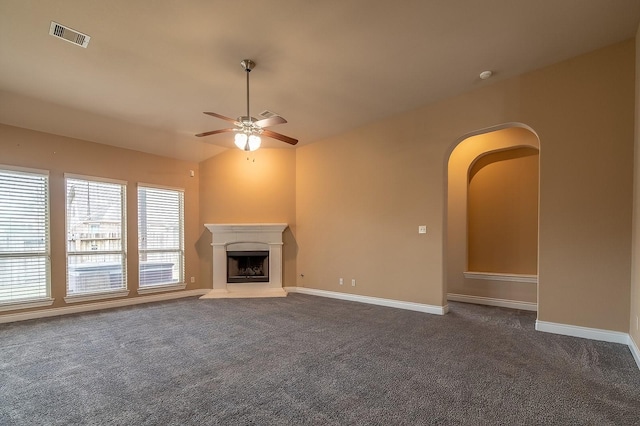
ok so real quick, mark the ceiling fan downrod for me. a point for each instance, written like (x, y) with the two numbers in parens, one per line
(248, 65)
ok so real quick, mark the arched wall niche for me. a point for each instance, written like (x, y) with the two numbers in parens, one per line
(470, 154)
(502, 212)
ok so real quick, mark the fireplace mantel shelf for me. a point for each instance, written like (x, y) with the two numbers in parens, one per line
(246, 227)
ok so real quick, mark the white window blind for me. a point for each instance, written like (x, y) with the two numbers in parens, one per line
(96, 244)
(160, 236)
(24, 236)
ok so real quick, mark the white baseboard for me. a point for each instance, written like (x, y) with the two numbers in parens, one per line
(513, 304)
(584, 332)
(634, 350)
(411, 306)
(44, 313)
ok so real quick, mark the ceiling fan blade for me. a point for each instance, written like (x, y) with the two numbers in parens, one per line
(271, 121)
(231, 120)
(283, 138)
(213, 132)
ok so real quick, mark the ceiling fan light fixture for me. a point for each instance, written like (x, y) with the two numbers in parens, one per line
(247, 142)
(254, 142)
(241, 140)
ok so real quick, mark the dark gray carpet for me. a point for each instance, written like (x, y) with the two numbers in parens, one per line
(307, 360)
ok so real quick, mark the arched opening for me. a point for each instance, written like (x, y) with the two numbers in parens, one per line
(492, 218)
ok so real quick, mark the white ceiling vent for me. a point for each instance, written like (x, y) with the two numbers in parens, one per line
(67, 34)
(267, 114)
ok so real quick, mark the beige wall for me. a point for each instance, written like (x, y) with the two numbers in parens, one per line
(260, 189)
(360, 196)
(582, 110)
(502, 212)
(460, 160)
(59, 155)
(635, 271)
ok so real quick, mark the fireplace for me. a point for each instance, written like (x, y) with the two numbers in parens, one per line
(248, 266)
(247, 260)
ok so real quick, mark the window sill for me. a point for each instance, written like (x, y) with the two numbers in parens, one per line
(26, 304)
(495, 276)
(159, 288)
(96, 296)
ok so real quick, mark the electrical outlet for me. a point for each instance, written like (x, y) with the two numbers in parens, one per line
(422, 229)
(341, 281)
(193, 280)
(353, 282)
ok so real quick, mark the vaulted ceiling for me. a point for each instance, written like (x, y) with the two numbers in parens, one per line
(153, 66)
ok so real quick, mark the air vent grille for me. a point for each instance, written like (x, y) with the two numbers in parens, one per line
(67, 34)
(268, 114)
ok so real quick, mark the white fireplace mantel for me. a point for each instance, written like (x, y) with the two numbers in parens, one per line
(246, 237)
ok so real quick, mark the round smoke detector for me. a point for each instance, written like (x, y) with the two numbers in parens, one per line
(485, 75)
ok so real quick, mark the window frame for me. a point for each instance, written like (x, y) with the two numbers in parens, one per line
(45, 300)
(100, 294)
(181, 283)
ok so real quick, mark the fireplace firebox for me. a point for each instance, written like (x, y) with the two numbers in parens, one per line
(248, 266)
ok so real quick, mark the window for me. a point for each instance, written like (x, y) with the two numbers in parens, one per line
(96, 256)
(160, 236)
(24, 236)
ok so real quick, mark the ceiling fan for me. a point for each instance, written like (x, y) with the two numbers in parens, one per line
(247, 129)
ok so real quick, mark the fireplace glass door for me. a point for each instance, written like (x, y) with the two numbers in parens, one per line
(248, 266)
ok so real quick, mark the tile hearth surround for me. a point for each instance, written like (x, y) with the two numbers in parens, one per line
(246, 237)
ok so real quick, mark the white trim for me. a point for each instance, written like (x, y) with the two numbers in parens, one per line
(495, 276)
(26, 304)
(95, 179)
(24, 169)
(221, 228)
(154, 186)
(101, 305)
(634, 350)
(95, 296)
(159, 288)
(583, 332)
(411, 306)
(490, 301)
